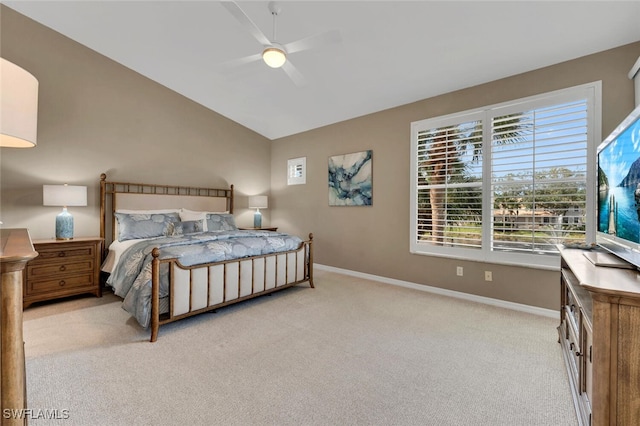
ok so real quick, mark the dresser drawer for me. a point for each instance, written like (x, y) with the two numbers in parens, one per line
(59, 284)
(64, 269)
(50, 254)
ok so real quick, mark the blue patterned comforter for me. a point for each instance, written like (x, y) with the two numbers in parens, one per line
(131, 278)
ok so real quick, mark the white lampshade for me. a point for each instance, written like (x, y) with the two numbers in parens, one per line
(64, 195)
(274, 57)
(18, 106)
(258, 202)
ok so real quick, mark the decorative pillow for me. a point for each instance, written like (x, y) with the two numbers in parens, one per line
(221, 222)
(136, 226)
(188, 227)
(189, 215)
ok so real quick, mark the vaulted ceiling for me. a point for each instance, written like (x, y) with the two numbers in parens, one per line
(390, 53)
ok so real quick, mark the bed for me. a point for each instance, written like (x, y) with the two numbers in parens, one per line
(172, 252)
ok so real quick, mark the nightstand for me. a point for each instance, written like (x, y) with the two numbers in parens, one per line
(264, 228)
(63, 268)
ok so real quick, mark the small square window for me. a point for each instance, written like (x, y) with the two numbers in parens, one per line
(297, 171)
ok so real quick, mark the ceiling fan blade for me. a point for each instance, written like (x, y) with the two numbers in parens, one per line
(294, 74)
(242, 17)
(311, 42)
(233, 63)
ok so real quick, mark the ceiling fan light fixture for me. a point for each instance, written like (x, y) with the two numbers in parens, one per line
(274, 57)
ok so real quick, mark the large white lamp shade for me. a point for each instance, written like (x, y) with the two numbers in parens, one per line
(18, 106)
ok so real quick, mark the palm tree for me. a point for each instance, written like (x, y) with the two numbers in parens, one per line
(442, 162)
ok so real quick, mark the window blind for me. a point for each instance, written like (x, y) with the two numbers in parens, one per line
(449, 185)
(538, 178)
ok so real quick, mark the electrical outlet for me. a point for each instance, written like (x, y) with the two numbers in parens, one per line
(459, 271)
(488, 276)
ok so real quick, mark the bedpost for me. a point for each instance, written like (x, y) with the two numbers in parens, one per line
(310, 266)
(231, 200)
(155, 294)
(103, 199)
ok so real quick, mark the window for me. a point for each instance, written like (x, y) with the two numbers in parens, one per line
(507, 182)
(297, 171)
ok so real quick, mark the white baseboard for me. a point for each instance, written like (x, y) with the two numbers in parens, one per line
(444, 292)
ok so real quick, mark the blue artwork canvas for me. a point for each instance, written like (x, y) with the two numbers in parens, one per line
(350, 182)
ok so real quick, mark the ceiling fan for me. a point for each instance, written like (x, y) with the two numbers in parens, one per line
(275, 54)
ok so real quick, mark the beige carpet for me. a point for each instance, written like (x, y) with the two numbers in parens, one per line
(350, 352)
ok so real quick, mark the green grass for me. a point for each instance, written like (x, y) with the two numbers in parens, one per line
(474, 232)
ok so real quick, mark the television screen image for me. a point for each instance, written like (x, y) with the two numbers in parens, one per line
(619, 183)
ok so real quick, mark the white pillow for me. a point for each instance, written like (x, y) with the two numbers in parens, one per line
(205, 212)
(161, 211)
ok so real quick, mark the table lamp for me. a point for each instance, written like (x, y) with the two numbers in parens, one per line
(64, 195)
(258, 202)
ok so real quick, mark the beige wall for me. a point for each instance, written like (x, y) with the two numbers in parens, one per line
(96, 116)
(375, 240)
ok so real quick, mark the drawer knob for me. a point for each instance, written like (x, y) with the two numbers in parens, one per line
(63, 268)
(61, 283)
(61, 254)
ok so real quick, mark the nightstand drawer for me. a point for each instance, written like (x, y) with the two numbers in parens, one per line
(59, 284)
(66, 268)
(46, 255)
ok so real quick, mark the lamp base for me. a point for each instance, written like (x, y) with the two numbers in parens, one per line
(257, 220)
(64, 225)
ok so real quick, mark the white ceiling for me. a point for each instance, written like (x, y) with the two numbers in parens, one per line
(392, 53)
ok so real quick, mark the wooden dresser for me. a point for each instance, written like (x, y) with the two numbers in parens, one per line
(600, 337)
(63, 268)
(15, 251)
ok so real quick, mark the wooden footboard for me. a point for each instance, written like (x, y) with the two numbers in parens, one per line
(202, 288)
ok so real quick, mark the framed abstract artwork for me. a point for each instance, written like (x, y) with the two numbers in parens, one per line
(350, 179)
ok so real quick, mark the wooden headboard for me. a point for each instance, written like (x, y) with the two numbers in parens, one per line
(144, 196)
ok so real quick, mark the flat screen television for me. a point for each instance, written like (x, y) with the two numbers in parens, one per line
(619, 191)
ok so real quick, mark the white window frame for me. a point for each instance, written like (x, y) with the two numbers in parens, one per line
(592, 92)
(294, 164)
